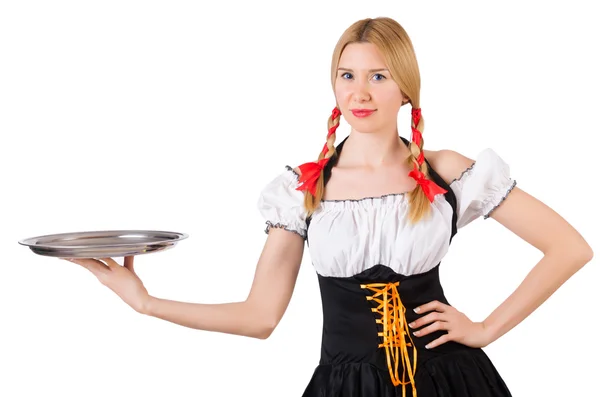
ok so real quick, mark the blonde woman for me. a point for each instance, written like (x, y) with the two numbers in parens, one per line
(378, 214)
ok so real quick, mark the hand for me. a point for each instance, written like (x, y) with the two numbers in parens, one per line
(444, 317)
(120, 279)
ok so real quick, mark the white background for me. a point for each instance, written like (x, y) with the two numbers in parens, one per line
(174, 115)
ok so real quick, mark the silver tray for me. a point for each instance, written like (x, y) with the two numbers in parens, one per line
(103, 244)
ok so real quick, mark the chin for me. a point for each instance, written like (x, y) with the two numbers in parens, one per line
(365, 126)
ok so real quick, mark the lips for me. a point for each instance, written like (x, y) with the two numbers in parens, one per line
(362, 112)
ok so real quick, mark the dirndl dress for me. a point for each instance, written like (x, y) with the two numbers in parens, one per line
(374, 268)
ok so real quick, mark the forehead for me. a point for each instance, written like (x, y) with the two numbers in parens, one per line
(359, 56)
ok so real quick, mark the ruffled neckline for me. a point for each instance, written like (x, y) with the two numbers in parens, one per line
(389, 199)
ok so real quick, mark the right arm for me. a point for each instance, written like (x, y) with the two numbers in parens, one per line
(257, 316)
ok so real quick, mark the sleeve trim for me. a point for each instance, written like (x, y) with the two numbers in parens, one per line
(469, 168)
(293, 171)
(301, 233)
(503, 198)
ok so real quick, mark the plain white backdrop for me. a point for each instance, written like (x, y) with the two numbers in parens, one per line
(174, 115)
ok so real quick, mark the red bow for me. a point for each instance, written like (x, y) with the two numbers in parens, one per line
(310, 173)
(428, 186)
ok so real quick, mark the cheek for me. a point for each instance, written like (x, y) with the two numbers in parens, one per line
(342, 93)
(389, 97)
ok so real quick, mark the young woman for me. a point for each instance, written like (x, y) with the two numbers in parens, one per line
(378, 214)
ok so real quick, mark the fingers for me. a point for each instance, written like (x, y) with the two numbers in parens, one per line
(101, 264)
(128, 263)
(439, 341)
(433, 305)
(111, 263)
(93, 265)
(437, 326)
(106, 270)
(431, 317)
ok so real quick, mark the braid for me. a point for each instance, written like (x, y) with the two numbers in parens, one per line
(418, 199)
(417, 156)
(312, 177)
(332, 125)
(312, 174)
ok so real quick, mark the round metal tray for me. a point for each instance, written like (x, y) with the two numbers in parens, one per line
(103, 244)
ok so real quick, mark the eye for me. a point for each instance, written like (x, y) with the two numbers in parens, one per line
(343, 75)
(381, 77)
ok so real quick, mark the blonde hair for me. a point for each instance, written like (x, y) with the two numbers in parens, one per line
(396, 47)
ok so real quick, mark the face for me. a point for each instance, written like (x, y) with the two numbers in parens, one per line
(364, 89)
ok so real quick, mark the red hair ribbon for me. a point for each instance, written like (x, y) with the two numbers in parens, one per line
(416, 116)
(311, 171)
(417, 137)
(335, 113)
(421, 156)
(428, 186)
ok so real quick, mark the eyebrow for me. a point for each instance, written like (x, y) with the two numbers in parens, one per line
(370, 70)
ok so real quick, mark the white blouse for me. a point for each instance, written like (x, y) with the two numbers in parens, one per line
(347, 237)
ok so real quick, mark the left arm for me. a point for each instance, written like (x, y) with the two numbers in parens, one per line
(565, 252)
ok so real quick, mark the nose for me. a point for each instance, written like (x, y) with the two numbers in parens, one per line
(361, 92)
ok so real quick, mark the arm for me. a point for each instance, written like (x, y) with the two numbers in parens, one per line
(257, 316)
(565, 251)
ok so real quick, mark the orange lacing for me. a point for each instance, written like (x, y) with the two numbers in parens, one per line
(395, 328)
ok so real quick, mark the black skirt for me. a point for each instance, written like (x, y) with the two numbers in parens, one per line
(368, 350)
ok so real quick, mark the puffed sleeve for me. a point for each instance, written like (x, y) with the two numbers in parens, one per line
(482, 187)
(281, 205)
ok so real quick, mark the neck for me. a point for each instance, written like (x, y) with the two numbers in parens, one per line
(373, 149)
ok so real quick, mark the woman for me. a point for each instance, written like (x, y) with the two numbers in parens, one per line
(378, 213)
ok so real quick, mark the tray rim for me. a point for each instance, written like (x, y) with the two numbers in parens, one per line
(31, 241)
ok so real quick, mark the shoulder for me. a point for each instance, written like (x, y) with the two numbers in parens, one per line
(449, 164)
(282, 182)
(281, 193)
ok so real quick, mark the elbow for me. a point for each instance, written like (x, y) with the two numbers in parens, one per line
(579, 256)
(264, 334)
(260, 326)
(587, 254)
(260, 321)
(263, 330)
(584, 254)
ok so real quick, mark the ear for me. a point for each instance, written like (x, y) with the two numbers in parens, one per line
(405, 98)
